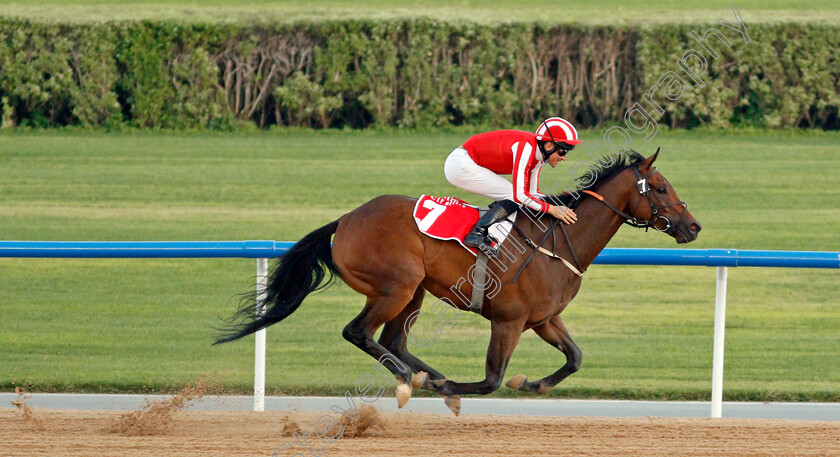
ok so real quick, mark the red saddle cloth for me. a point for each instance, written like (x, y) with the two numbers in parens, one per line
(445, 218)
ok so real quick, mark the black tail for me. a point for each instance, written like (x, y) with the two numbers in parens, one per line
(298, 273)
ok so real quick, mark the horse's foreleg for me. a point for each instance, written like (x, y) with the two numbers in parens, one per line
(554, 333)
(504, 337)
(395, 334)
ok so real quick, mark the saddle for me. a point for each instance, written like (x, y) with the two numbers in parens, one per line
(450, 218)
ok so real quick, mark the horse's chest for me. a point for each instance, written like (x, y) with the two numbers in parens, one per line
(556, 302)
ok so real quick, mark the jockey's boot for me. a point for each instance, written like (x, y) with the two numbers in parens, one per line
(478, 237)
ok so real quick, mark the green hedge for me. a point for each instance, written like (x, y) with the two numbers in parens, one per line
(417, 72)
(786, 76)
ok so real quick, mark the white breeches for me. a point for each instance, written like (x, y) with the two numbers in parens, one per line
(462, 172)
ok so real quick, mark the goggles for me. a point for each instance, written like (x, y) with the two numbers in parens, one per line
(559, 149)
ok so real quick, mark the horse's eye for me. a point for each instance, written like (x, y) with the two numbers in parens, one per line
(662, 190)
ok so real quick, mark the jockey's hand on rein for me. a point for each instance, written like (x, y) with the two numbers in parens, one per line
(563, 213)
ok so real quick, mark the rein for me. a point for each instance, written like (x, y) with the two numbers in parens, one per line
(644, 189)
(538, 247)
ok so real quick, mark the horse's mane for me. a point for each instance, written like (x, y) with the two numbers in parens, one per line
(596, 175)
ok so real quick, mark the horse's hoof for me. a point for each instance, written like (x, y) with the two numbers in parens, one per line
(453, 402)
(419, 380)
(403, 394)
(517, 381)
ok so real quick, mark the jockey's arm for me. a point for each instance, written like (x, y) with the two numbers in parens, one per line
(524, 174)
(561, 212)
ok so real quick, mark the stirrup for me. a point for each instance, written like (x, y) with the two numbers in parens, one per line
(478, 238)
(489, 246)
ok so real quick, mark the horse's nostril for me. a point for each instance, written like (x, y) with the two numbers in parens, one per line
(695, 227)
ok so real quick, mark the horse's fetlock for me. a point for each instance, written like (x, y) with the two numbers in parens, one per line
(435, 383)
(492, 384)
(575, 361)
(543, 388)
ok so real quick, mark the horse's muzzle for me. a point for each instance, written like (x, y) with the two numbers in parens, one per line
(687, 233)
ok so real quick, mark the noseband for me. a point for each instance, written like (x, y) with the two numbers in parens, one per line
(644, 189)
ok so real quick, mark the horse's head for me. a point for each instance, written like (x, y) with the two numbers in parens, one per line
(656, 204)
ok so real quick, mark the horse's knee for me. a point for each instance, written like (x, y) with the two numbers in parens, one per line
(354, 335)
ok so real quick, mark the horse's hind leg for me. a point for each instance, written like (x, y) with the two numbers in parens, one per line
(360, 331)
(504, 337)
(554, 333)
(395, 334)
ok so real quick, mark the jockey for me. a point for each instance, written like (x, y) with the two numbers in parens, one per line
(476, 165)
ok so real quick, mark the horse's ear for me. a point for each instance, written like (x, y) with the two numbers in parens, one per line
(651, 159)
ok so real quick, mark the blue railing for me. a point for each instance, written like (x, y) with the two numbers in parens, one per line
(719, 258)
(263, 250)
(256, 249)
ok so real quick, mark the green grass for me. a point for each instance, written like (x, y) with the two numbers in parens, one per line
(588, 12)
(145, 325)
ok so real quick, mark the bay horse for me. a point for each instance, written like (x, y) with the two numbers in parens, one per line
(380, 253)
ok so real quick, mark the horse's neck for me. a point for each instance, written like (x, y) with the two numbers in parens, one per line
(596, 222)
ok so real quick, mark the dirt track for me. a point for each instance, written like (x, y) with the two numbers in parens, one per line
(90, 433)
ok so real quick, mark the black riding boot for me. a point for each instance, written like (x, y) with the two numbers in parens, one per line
(477, 238)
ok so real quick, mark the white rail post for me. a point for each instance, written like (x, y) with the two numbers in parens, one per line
(717, 356)
(259, 345)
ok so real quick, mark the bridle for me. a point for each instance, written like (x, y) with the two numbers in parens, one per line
(644, 189)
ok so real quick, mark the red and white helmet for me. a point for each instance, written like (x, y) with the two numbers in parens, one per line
(558, 130)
